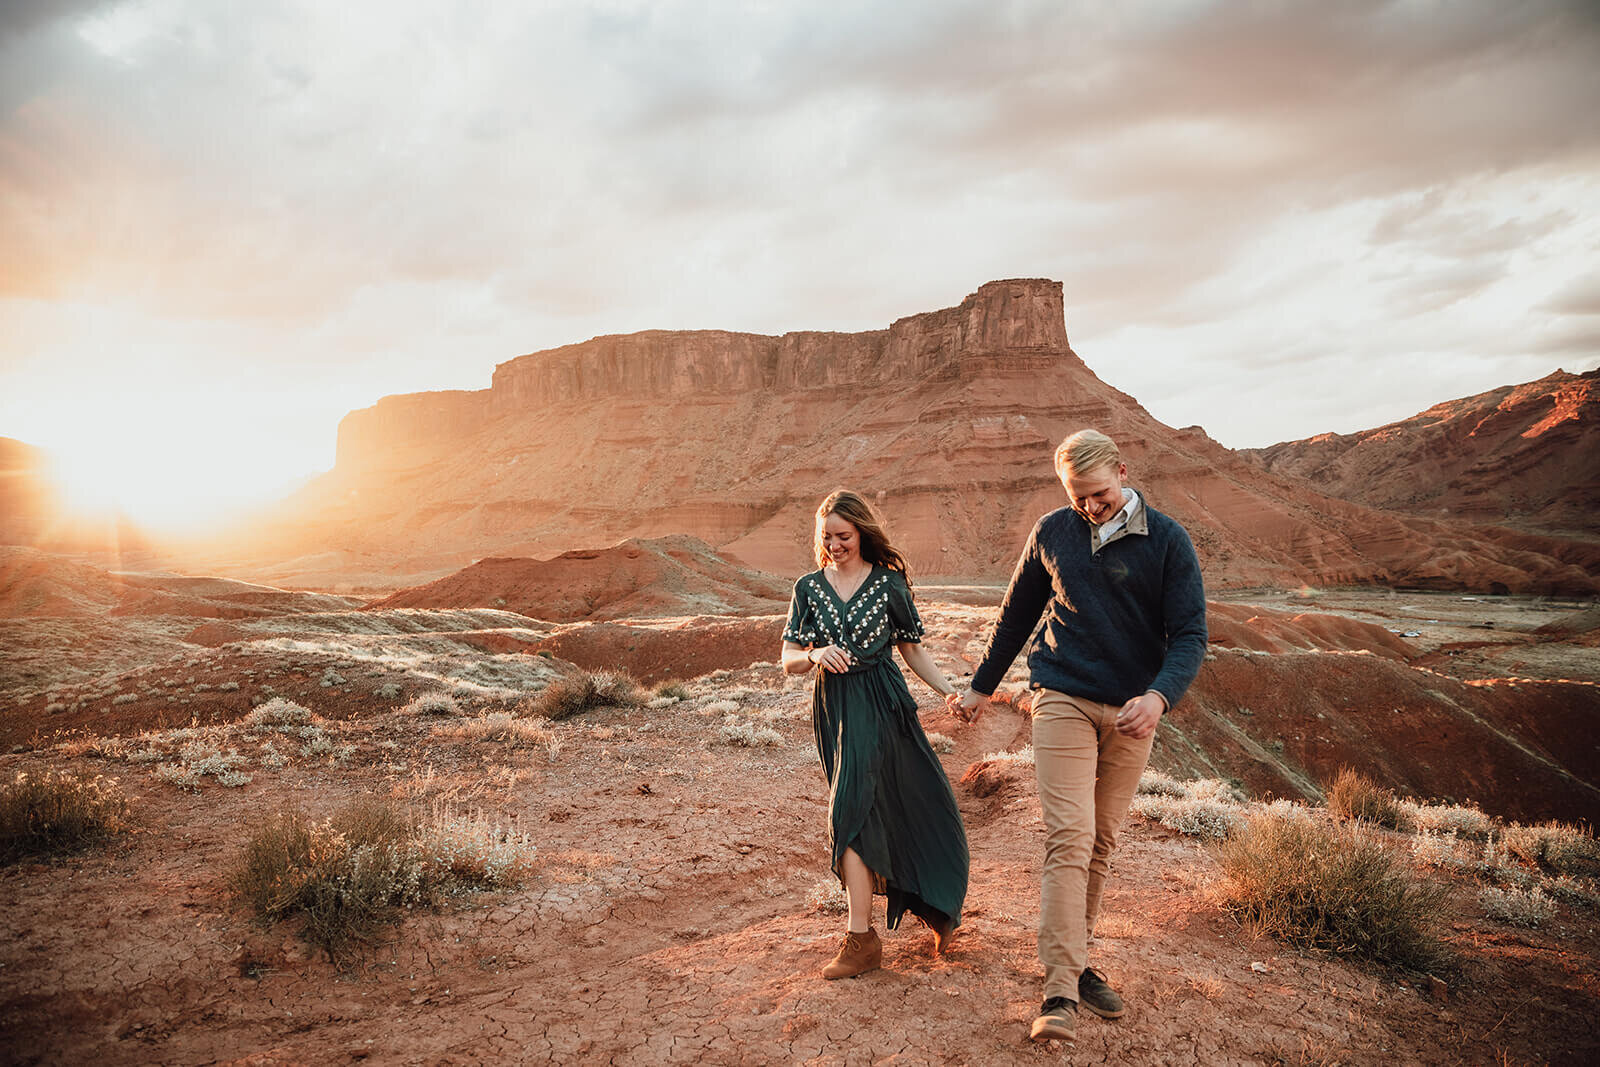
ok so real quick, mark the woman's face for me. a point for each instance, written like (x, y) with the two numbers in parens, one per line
(841, 540)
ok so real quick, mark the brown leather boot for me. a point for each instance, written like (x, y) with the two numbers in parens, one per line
(859, 954)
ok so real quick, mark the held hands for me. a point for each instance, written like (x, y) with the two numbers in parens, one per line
(831, 658)
(1139, 716)
(968, 706)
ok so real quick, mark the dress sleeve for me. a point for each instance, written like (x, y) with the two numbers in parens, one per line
(904, 622)
(800, 629)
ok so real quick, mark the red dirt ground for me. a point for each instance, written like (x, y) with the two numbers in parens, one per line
(667, 921)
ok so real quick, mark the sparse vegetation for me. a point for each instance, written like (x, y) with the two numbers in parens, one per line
(1555, 847)
(54, 812)
(348, 876)
(1520, 907)
(434, 703)
(941, 744)
(747, 734)
(828, 897)
(1021, 755)
(1330, 887)
(567, 696)
(503, 728)
(1355, 796)
(197, 759)
(1202, 807)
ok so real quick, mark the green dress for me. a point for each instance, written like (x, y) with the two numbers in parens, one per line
(888, 796)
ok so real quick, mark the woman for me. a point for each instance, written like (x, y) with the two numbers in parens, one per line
(893, 824)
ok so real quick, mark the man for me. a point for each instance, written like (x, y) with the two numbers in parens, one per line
(1124, 635)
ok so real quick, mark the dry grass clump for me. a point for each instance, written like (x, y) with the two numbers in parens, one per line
(941, 744)
(828, 897)
(278, 714)
(434, 703)
(347, 877)
(503, 728)
(54, 813)
(567, 696)
(197, 759)
(1518, 906)
(748, 734)
(1330, 887)
(1456, 819)
(1203, 807)
(1355, 796)
(1021, 755)
(1555, 847)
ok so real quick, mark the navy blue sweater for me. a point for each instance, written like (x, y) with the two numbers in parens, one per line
(1118, 622)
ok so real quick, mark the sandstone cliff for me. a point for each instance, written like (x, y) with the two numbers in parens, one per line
(1526, 456)
(949, 418)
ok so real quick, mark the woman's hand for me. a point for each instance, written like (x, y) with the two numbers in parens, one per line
(831, 658)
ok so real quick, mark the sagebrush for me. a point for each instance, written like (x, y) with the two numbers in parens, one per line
(54, 812)
(1331, 887)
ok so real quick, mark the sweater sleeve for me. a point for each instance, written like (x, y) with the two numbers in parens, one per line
(1029, 592)
(1183, 608)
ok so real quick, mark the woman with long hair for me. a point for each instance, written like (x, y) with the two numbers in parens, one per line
(894, 828)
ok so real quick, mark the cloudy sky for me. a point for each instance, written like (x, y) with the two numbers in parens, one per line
(225, 225)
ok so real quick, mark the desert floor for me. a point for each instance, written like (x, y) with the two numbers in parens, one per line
(672, 913)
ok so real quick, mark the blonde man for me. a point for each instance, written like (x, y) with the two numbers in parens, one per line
(1125, 632)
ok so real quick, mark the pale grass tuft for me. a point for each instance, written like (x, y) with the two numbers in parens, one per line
(941, 744)
(432, 703)
(748, 734)
(828, 897)
(1519, 907)
(1021, 755)
(1195, 816)
(52, 813)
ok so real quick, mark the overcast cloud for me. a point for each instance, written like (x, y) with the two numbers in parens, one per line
(1271, 219)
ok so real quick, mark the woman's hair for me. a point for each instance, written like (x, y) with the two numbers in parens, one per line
(875, 546)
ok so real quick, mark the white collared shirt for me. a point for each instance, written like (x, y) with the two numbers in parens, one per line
(1130, 500)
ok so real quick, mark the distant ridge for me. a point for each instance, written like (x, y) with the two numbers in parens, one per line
(948, 419)
(1526, 456)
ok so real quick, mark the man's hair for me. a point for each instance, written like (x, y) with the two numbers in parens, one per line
(1085, 451)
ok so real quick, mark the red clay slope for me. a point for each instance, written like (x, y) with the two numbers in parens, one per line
(634, 579)
(1525, 455)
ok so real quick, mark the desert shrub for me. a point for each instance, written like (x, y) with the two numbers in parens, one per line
(1459, 820)
(748, 734)
(277, 713)
(197, 759)
(564, 697)
(1555, 847)
(1195, 816)
(828, 897)
(941, 744)
(1519, 907)
(502, 727)
(53, 813)
(1330, 887)
(672, 690)
(618, 689)
(1582, 891)
(434, 703)
(1154, 783)
(348, 876)
(1355, 796)
(1437, 849)
(1021, 755)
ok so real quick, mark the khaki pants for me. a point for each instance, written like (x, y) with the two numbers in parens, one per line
(1088, 774)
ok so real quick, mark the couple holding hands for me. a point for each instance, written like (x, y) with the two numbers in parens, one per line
(1119, 587)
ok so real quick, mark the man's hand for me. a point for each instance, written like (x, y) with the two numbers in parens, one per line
(1139, 716)
(968, 706)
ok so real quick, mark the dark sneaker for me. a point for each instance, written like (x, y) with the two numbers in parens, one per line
(1097, 996)
(1057, 1021)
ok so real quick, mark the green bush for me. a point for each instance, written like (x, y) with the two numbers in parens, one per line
(53, 813)
(1330, 887)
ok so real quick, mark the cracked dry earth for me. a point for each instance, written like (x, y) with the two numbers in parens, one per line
(668, 920)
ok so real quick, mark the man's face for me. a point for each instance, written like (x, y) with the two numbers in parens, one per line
(1096, 494)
